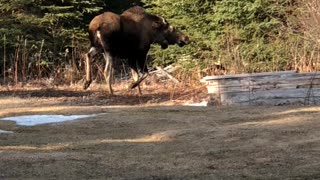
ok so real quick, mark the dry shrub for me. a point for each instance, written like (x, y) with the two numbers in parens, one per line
(311, 20)
(307, 55)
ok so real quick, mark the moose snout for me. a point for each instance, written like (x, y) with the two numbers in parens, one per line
(164, 44)
(184, 41)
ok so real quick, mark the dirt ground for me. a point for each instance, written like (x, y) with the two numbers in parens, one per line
(154, 136)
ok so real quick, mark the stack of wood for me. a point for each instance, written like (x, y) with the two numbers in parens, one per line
(271, 88)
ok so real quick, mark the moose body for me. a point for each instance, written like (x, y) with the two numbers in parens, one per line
(128, 36)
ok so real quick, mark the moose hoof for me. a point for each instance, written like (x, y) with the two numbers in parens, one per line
(110, 93)
(86, 85)
(133, 85)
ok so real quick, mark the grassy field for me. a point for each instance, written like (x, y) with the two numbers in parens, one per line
(162, 140)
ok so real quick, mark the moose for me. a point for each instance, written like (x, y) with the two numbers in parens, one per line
(129, 36)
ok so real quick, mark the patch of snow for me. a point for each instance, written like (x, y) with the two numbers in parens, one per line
(201, 104)
(5, 132)
(33, 120)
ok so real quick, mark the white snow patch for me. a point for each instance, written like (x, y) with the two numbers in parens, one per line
(5, 132)
(33, 120)
(201, 104)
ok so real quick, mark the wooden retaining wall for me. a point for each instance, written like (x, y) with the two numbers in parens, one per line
(271, 88)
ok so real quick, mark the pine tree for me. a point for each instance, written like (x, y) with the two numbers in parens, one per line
(244, 36)
(47, 27)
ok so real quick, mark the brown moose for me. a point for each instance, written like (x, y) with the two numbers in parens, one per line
(129, 36)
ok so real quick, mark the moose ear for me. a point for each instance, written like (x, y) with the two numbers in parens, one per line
(160, 23)
(156, 25)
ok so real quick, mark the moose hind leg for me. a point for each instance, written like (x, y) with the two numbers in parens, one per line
(88, 60)
(135, 77)
(108, 71)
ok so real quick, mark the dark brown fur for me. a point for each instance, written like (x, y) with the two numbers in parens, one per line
(129, 36)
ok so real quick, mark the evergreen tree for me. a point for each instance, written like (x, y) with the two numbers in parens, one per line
(45, 28)
(244, 36)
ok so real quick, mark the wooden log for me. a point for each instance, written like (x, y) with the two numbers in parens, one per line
(251, 80)
(265, 88)
(274, 97)
(248, 75)
(270, 83)
(226, 89)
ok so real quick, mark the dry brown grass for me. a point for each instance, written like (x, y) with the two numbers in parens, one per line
(139, 141)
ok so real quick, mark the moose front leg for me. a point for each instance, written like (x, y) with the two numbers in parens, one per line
(137, 82)
(139, 62)
(135, 77)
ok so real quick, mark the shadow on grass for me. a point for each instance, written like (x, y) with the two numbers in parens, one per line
(43, 93)
(85, 98)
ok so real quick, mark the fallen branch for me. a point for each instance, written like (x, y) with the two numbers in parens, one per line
(159, 69)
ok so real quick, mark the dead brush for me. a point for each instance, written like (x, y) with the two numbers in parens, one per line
(308, 53)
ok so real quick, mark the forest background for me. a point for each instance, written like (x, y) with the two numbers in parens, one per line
(47, 39)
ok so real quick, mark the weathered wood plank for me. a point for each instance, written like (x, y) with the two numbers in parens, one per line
(251, 87)
(275, 97)
(286, 79)
(212, 90)
(248, 75)
(265, 88)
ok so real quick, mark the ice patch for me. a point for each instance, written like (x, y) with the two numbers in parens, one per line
(201, 104)
(5, 132)
(33, 120)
